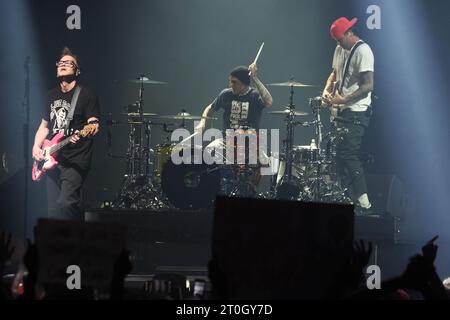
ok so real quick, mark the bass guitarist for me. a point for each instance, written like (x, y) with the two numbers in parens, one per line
(69, 108)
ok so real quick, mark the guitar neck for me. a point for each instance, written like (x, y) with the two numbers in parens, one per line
(85, 132)
(59, 145)
(336, 85)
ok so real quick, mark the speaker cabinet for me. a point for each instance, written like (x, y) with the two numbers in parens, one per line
(273, 249)
(388, 194)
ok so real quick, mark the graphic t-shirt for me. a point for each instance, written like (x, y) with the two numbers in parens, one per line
(56, 112)
(240, 112)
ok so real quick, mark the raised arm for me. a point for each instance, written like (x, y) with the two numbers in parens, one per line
(264, 93)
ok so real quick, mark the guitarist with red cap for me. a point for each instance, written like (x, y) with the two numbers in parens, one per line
(348, 92)
(71, 115)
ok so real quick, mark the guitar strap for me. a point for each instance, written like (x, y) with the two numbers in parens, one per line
(347, 64)
(341, 85)
(73, 105)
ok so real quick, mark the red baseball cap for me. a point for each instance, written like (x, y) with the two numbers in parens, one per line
(340, 26)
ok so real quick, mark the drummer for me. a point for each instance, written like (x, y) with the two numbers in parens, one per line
(242, 104)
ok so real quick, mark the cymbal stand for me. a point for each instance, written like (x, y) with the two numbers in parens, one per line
(287, 189)
(318, 184)
(137, 190)
(319, 188)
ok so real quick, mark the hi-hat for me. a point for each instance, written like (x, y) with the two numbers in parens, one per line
(288, 111)
(145, 80)
(186, 116)
(137, 114)
(291, 83)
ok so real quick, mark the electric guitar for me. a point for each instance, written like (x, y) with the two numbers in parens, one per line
(334, 108)
(51, 148)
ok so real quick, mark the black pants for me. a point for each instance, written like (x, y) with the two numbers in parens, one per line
(64, 193)
(349, 164)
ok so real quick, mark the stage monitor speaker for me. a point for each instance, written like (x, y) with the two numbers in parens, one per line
(388, 194)
(273, 249)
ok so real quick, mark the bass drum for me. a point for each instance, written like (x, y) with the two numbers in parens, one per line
(190, 186)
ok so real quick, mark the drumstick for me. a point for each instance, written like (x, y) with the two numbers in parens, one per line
(188, 138)
(257, 55)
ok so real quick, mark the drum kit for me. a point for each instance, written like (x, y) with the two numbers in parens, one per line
(308, 173)
(152, 181)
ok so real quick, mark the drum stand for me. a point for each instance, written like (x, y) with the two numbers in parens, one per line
(319, 189)
(288, 189)
(318, 185)
(137, 189)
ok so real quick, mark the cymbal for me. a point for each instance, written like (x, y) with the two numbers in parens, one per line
(136, 114)
(287, 111)
(290, 83)
(145, 80)
(186, 116)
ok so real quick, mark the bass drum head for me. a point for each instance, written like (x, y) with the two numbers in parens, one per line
(190, 186)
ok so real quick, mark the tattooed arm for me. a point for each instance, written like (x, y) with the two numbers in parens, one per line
(265, 94)
(365, 87)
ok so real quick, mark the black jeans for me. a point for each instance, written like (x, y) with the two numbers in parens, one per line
(349, 164)
(64, 193)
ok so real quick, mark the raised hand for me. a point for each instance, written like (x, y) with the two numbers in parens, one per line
(253, 70)
(415, 275)
(361, 254)
(429, 251)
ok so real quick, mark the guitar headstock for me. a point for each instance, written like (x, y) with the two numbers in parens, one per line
(87, 130)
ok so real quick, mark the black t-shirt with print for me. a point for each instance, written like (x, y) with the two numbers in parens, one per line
(239, 111)
(57, 109)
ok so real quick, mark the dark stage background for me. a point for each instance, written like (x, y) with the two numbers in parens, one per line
(193, 44)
